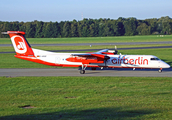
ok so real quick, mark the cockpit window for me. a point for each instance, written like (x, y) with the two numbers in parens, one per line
(154, 59)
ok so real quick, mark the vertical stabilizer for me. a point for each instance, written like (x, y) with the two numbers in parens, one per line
(20, 44)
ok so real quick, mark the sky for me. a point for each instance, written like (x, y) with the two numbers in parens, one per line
(68, 10)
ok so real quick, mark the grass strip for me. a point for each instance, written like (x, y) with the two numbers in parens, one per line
(148, 38)
(85, 98)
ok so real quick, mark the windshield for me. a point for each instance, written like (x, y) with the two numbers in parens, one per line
(154, 59)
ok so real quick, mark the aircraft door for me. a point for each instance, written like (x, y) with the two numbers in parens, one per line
(57, 60)
(106, 62)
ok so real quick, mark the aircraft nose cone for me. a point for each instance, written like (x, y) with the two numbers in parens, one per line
(166, 66)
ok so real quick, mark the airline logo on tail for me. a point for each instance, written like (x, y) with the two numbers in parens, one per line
(19, 44)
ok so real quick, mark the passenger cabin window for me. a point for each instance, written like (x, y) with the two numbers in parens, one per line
(154, 59)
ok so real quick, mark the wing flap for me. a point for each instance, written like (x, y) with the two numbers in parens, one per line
(89, 55)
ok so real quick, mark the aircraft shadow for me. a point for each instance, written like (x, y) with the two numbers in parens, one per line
(127, 69)
(96, 114)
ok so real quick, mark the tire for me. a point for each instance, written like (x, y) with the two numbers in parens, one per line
(159, 71)
(82, 71)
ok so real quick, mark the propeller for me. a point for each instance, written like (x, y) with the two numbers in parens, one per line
(116, 51)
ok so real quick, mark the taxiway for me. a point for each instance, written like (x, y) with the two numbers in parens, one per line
(75, 72)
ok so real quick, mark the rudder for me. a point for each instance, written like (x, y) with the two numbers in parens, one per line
(20, 44)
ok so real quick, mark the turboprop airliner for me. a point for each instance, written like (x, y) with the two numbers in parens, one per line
(102, 59)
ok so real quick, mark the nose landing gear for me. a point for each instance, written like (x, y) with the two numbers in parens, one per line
(160, 70)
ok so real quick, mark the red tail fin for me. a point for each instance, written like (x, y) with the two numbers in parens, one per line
(21, 45)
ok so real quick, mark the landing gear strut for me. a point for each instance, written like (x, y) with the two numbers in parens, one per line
(83, 69)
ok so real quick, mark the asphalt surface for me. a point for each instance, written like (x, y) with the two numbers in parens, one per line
(81, 44)
(75, 72)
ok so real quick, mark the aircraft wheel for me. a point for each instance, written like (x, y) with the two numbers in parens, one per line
(82, 71)
(159, 71)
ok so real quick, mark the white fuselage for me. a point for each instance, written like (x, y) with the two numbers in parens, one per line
(125, 61)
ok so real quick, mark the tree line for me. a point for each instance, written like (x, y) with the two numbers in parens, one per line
(90, 27)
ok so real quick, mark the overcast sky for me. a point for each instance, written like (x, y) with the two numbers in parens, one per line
(68, 10)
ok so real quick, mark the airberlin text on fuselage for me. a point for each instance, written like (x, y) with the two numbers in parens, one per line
(139, 61)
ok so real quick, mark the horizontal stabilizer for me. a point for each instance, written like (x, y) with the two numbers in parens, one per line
(4, 33)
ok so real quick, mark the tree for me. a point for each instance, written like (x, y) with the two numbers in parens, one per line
(30, 30)
(153, 24)
(66, 29)
(48, 31)
(101, 28)
(130, 26)
(39, 27)
(56, 29)
(22, 26)
(74, 31)
(5, 26)
(15, 26)
(96, 28)
(108, 28)
(92, 30)
(80, 26)
(166, 25)
(143, 29)
(85, 31)
(91, 27)
(60, 25)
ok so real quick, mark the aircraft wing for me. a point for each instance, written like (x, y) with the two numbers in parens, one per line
(94, 54)
(82, 54)
(100, 52)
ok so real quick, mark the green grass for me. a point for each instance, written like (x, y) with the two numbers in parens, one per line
(9, 61)
(148, 38)
(86, 98)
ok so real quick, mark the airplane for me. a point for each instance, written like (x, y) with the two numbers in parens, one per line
(101, 59)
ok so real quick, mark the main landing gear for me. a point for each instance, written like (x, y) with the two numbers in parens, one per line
(83, 69)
